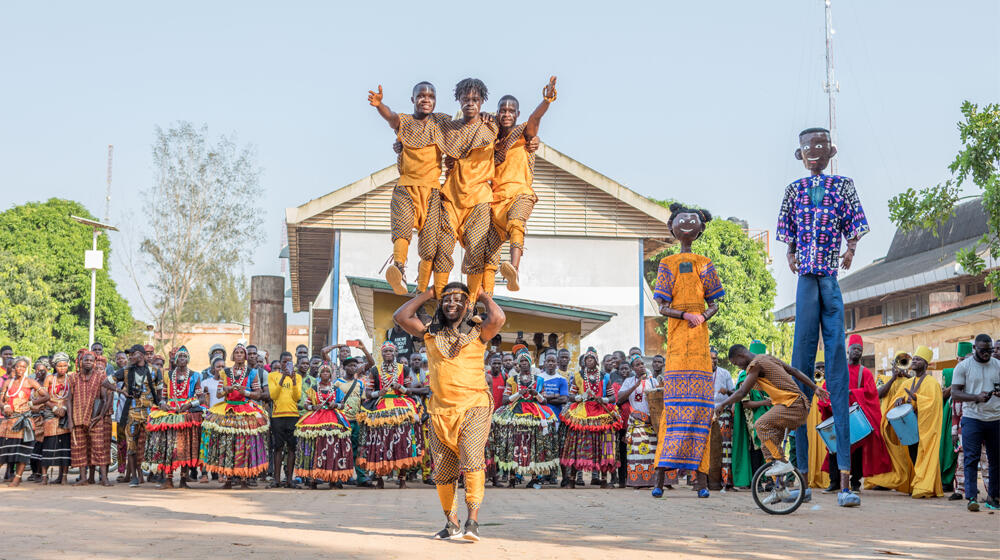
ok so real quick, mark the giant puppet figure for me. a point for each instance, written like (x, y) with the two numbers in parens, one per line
(816, 212)
(688, 290)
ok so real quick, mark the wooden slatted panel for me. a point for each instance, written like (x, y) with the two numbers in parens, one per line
(567, 206)
(311, 249)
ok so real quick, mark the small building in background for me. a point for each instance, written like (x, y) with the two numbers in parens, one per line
(199, 337)
(584, 251)
(918, 295)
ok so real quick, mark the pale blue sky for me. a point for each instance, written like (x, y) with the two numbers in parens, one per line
(699, 101)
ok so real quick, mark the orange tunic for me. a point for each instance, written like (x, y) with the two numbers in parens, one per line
(470, 150)
(456, 380)
(420, 161)
(515, 173)
(58, 391)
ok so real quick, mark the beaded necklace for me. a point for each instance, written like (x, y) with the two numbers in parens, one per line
(20, 386)
(56, 395)
(176, 392)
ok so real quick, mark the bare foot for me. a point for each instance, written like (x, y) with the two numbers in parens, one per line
(169, 483)
(228, 485)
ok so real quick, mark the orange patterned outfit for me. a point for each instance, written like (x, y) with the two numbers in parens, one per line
(686, 282)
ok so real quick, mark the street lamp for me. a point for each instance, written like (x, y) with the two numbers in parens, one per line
(93, 261)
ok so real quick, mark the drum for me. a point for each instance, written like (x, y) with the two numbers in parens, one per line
(655, 401)
(860, 426)
(904, 421)
(828, 434)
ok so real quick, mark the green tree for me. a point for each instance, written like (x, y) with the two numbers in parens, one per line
(745, 312)
(219, 298)
(978, 160)
(27, 309)
(53, 244)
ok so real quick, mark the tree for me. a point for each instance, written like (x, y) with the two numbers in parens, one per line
(27, 309)
(46, 248)
(219, 298)
(745, 312)
(979, 159)
(205, 193)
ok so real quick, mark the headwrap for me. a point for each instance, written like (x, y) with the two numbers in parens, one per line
(855, 339)
(946, 375)
(25, 359)
(175, 351)
(216, 348)
(148, 348)
(389, 344)
(634, 358)
(522, 350)
(757, 347)
(326, 366)
(592, 353)
(60, 357)
(925, 353)
(455, 290)
(42, 361)
(964, 349)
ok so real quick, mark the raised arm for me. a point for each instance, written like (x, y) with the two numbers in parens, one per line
(535, 120)
(406, 315)
(375, 100)
(495, 318)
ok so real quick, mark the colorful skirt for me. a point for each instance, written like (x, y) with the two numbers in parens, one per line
(324, 446)
(391, 435)
(173, 440)
(56, 451)
(591, 436)
(525, 439)
(234, 439)
(641, 441)
(686, 420)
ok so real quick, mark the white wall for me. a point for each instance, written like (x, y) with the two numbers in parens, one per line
(595, 273)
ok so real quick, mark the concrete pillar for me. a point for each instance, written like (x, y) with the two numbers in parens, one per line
(268, 324)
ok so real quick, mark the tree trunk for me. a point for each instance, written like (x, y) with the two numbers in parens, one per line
(268, 324)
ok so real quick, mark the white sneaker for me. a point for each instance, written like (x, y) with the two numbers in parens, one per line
(779, 468)
(771, 498)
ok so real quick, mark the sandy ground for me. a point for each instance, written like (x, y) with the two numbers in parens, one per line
(208, 522)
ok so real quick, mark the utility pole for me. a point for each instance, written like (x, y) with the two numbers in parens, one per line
(831, 87)
(107, 193)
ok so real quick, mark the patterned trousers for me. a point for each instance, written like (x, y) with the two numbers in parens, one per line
(470, 459)
(772, 424)
(471, 226)
(91, 446)
(509, 218)
(726, 431)
(423, 211)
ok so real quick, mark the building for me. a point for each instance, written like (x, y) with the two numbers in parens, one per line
(918, 295)
(199, 337)
(585, 246)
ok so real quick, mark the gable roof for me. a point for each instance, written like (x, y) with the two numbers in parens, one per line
(573, 200)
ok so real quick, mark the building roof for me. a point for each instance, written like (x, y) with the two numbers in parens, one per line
(915, 259)
(573, 201)
(365, 290)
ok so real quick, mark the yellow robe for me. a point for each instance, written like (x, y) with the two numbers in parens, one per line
(902, 468)
(818, 478)
(925, 479)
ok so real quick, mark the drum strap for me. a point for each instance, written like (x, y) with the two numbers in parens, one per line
(915, 386)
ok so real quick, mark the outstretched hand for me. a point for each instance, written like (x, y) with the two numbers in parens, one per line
(822, 393)
(549, 91)
(375, 99)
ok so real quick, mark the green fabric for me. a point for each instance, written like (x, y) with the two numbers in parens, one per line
(949, 459)
(742, 432)
(964, 348)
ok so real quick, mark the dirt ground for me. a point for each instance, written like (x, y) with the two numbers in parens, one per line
(589, 523)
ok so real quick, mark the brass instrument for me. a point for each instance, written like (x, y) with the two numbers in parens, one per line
(902, 361)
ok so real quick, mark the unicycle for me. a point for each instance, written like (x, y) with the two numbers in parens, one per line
(778, 495)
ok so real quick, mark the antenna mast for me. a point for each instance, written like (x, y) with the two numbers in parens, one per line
(831, 86)
(107, 194)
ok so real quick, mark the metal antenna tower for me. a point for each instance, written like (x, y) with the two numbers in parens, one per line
(107, 194)
(831, 86)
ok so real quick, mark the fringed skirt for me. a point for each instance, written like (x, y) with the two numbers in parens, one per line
(173, 440)
(324, 446)
(391, 436)
(591, 436)
(234, 439)
(525, 439)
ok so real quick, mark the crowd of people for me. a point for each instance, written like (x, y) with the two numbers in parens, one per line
(343, 416)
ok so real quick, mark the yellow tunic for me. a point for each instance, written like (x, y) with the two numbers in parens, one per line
(925, 479)
(456, 380)
(470, 150)
(818, 478)
(898, 478)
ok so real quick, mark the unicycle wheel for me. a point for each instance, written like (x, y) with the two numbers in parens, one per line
(778, 495)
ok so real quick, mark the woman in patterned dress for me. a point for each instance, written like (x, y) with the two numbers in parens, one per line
(17, 445)
(324, 435)
(174, 430)
(592, 421)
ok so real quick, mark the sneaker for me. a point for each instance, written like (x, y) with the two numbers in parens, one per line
(771, 498)
(779, 468)
(703, 493)
(973, 505)
(955, 496)
(657, 492)
(792, 495)
(992, 503)
(134, 483)
(450, 531)
(846, 498)
(471, 531)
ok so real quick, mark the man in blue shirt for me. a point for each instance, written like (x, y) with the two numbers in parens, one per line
(816, 212)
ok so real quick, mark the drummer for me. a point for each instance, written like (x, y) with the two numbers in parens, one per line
(869, 456)
(923, 392)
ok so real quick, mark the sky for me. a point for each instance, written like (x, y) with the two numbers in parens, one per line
(696, 101)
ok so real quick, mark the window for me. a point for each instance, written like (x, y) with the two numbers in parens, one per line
(975, 288)
(906, 308)
(849, 319)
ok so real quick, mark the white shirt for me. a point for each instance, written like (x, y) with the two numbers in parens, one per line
(638, 398)
(723, 380)
(979, 378)
(211, 387)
